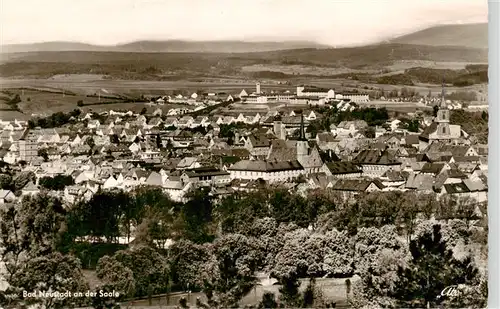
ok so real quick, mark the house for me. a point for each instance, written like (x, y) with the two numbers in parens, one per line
(420, 182)
(342, 170)
(350, 128)
(30, 189)
(268, 171)
(394, 179)
(375, 162)
(393, 141)
(326, 141)
(242, 94)
(434, 168)
(176, 189)
(93, 124)
(110, 183)
(310, 91)
(206, 176)
(319, 181)
(258, 144)
(188, 163)
(457, 190)
(352, 187)
(154, 179)
(6, 196)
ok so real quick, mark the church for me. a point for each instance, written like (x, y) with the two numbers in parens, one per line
(441, 130)
(288, 150)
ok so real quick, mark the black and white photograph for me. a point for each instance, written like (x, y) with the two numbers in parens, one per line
(262, 154)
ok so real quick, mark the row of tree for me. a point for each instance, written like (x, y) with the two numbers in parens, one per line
(54, 121)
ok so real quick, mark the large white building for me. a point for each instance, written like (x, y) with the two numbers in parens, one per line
(315, 92)
(268, 171)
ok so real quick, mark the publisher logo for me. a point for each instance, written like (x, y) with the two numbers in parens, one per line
(450, 291)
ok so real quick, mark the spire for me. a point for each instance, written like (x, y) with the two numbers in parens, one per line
(302, 131)
(443, 101)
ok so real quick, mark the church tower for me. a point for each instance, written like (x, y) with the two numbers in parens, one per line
(443, 118)
(302, 144)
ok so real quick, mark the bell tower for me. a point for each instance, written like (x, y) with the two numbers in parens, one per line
(443, 117)
(302, 144)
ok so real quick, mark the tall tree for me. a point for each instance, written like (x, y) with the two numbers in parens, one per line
(29, 233)
(432, 269)
(197, 216)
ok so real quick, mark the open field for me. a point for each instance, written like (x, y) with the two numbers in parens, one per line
(294, 69)
(44, 103)
(135, 87)
(12, 115)
(395, 67)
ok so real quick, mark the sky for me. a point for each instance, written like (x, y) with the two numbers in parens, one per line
(332, 22)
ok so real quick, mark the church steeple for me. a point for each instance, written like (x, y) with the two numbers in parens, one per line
(443, 100)
(302, 136)
(302, 144)
(443, 117)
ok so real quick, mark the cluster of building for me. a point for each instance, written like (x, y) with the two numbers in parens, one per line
(179, 153)
(314, 96)
(303, 96)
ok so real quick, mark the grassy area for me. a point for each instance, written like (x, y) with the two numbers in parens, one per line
(46, 103)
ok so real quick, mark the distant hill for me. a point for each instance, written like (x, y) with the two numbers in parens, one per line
(164, 66)
(177, 46)
(465, 35)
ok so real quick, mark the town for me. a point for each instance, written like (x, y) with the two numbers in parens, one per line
(234, 149)
(313, 145)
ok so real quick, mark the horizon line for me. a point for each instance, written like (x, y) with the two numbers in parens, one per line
(251, 40)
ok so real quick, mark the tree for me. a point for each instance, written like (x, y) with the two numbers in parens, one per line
(289, 292)
(115, 139)
(22, 179)
(100, 216)
(16, 99)
(150, 269)
(79, 103)
(268, 301)
(432, 269)
(144, 111)
(44, 154)
(158, 141)
(90, 142)
(155, 217)
(197, 215)
(116, 276)
(435, 109)
(56, 183)
(54, 272)
(29, 234)
(5, 182)
(413, 125)
(194, 265)
(378, 253)
(237, 262)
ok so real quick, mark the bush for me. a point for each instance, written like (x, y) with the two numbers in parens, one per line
(79, 103)
(90, 253)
